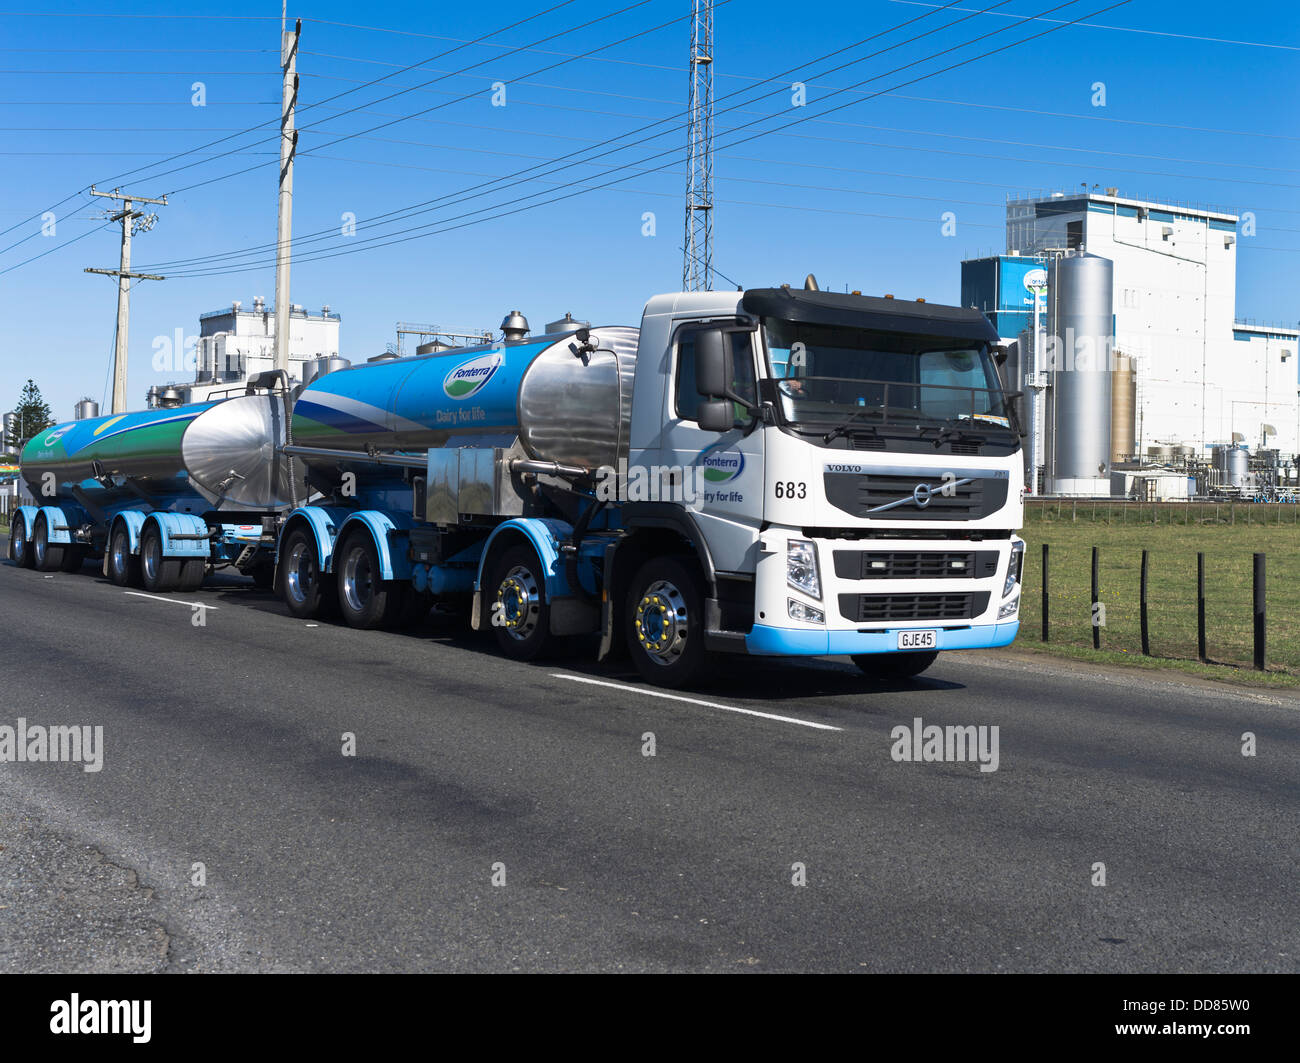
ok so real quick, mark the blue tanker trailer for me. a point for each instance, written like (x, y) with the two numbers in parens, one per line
(163, 496)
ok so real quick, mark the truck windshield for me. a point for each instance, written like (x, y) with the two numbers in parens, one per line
(827, 374)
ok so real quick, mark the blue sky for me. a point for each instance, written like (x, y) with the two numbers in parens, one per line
(857, 196)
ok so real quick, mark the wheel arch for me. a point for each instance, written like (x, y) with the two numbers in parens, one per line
(543, 536)
(170, 524)
(320, 525)
(383, 530)
(133, 520)
(661, 528)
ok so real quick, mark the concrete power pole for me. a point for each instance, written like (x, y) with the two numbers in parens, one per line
(132, 221)
(697, 265)
(284, 217)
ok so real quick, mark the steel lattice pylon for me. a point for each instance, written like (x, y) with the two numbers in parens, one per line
(697, 263)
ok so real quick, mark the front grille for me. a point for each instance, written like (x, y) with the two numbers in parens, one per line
(875, 608)
(929, 564)
(863, 495)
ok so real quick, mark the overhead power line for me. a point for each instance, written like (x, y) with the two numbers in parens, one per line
(403, 213)
(448, 103)
(171, 158)
(1135, 29)
(420, 231)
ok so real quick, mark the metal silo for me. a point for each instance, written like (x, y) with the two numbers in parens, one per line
(1080, 329)
(11, 429)
(1233, 464)
(1123, 409)
(85, 409)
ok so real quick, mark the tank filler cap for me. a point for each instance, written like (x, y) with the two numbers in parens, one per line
(514, 326)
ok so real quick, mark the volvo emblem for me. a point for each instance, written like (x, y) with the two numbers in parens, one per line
(921, 495)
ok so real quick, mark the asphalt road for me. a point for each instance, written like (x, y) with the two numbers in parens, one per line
(223, 745)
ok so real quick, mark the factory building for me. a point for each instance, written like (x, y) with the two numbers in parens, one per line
(1185, 375)
(236, 342)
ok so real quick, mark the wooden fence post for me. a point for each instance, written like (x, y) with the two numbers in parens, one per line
(1045, 626)
(1146, 638)
(1261, 614)
(1096, 595)
(1200, 608)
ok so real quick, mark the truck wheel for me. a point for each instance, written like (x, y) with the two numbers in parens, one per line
(665, 622)
(73, 558)
(366, 599)
(20, 547)
(193, 571)
(415, 607)
(159, 573)
(307, 592)
(517, 606)
(263, 576)
(47, 556)
(123, 566)
(895, 665)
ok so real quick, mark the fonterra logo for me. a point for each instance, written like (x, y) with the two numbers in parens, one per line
(722, 466)
(471, 377)
(54, 436)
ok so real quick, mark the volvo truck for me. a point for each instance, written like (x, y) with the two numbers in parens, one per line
(776, 472)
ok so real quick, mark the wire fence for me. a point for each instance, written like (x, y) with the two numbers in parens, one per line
(1222, 587)
(1187, 514)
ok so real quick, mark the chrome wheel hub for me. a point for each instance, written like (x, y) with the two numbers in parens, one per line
(519, 603)
(300, 572)
(662, 622)
(358, 580)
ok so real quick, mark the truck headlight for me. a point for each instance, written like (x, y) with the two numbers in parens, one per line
(806, 613)
(801, 570)
(1013, 569)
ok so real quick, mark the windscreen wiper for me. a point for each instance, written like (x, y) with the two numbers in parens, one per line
(955, 428)
(843, 427)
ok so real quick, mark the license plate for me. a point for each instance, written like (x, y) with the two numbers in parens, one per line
(917, 640)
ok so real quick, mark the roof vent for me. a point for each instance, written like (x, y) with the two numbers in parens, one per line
(514, 326)
(810, 284)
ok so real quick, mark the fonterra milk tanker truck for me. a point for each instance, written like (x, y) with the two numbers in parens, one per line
(773, 472)
(163, 495)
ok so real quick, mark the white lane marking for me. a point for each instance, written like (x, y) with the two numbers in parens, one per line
(695, 701)
(174, 601)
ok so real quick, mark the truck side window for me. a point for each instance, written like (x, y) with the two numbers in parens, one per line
(688, 400)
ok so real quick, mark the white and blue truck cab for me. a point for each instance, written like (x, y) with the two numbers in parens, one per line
(776, 472)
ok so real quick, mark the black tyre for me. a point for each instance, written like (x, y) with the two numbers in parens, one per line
(193, 572)
(307, 592)
(263, 576)
(73, 558)
(895, 665)
(664, 620)
(20, 546)
(517, 607)
(366, 600)
(158, 572)
(415, 607)
(46, 556)
(123, 566)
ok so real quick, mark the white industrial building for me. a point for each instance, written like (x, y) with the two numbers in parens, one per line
(1202, 375)
(235, 343)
